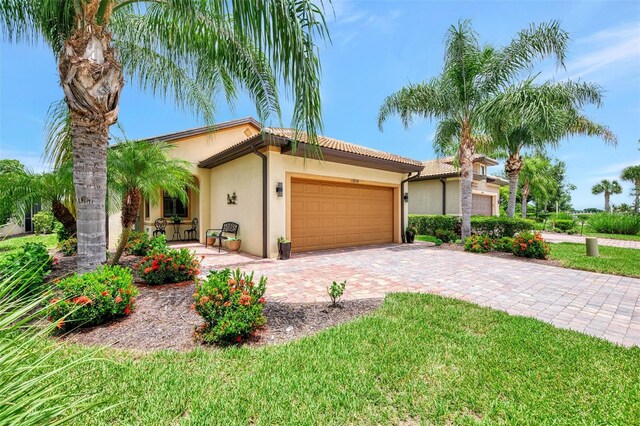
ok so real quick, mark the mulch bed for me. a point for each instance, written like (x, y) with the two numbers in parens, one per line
(503, 255)
(163, 320)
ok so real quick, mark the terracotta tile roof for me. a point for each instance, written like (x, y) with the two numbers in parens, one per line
(442, 167)
(339, 145)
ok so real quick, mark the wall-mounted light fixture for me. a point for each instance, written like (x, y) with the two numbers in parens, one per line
(280, 189)
(406, 197)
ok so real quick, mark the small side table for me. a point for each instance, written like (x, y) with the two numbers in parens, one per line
(176, 231)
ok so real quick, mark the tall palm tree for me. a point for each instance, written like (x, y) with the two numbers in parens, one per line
(535, 178)
(632, 174)
(471, 75)
(188, 50)
(143, 170)
(536, 117)
(607, 188)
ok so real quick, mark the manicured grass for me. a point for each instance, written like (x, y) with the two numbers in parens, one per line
(614, 236)
(612, 260)
(419, 359)
(11, 245)
(429, 239)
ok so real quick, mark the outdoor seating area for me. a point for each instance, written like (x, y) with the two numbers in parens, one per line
(181, 231)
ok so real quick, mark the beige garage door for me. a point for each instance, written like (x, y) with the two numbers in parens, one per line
(482, 205)
(329, 215)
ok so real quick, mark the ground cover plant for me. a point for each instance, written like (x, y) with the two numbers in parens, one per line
(460, 363)
(92, 298)
(231, 304)
(33, 257)
(430, 239)
(12, 245)
(612, 260)
(168, 266)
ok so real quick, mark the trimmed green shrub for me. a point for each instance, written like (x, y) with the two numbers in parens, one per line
(43, 222)
(527, 244)
(61, 232)
(428, 224)
(478, 244)
(231, 304)
(69, 247)
(615, 223)
(504, 244)
(445, 235)
(498, 227)
(93, 298)
(565, 224)
(14, 265)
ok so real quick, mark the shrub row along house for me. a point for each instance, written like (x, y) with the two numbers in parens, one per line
(272, 187)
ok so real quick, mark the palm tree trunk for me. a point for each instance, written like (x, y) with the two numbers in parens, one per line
(525, 197)
(465, 155)
(130, 210)
(64, 216)
(512, 166)
(636, 200)
(607, 208)
(91, 78)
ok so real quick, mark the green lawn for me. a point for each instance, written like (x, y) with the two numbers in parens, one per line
(419, 359)
(11, 245)
(612, 260)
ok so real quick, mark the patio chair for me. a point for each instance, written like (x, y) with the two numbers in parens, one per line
(192, 233)
(219, 233)
(161, 226)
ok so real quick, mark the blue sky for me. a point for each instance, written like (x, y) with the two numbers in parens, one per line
(377, 47)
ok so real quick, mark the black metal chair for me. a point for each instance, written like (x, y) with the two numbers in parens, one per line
(161, 227)
(192, 233)
(219, 233)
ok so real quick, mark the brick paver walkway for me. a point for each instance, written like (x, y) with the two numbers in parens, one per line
(602, 305)
(565, 238)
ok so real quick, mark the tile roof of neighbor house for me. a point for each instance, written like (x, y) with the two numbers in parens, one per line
(331, 147)
(443, 167)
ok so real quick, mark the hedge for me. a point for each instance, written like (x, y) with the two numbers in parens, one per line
(495, 226)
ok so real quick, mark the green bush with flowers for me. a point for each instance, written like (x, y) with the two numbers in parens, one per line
(138, 244)
(528, 244)
(14, 266)
(93, 298)
(68, 247)
(231, 305)
(504, 244)
(478, 244)
(168, 266)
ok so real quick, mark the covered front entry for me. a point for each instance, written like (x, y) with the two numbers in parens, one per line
(328, 214)
(482, 205)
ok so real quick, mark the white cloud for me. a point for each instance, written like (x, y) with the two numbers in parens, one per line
(351, 21)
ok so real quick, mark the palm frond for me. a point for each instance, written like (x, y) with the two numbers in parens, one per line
(58, 148)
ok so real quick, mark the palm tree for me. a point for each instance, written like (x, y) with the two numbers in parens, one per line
(607, 188)
(187, 50)
(535, 178)
(471, 76)
(143, 170)
(632, 174)
(535, 117)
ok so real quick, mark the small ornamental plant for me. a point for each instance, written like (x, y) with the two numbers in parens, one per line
(231, 305)
(445, 235)
(168, 266)
(138, 244)
(335, 292)
(68, 247)
(93, 298)
(478, 244)
(14, 265)
(527, 244)
(504, 244)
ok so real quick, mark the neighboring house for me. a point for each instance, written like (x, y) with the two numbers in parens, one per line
(353, 196)
(436, 189)
(21, 225)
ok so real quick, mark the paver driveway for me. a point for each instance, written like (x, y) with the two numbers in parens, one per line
(602, 305)
(565, 238)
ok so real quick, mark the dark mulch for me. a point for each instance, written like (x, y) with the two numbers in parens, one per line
(68, 266)
(163, 320)
(503, 255)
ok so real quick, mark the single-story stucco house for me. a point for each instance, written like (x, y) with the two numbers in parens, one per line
(436, 189)
(256, 177)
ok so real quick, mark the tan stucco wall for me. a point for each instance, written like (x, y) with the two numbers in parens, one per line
(11, 228)
(283, 167)
(244, 177)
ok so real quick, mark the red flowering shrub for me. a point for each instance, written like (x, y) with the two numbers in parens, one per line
(527, 244)
(169, 266)
(478, 244)
(93, 298)
(231, 305)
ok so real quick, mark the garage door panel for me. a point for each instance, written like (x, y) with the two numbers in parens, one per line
(327, 215)
(481, 205)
